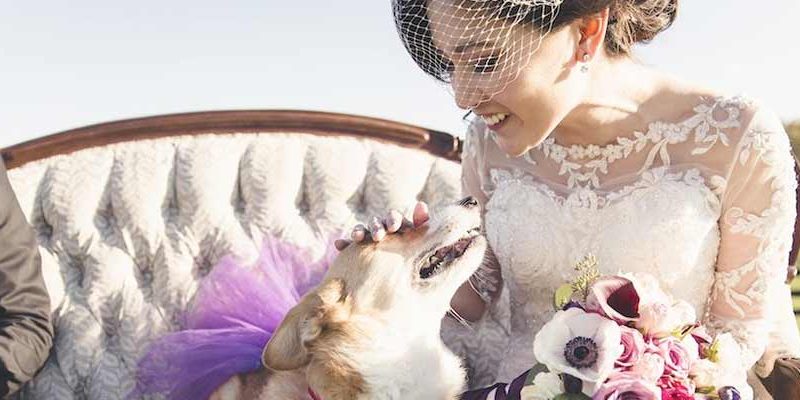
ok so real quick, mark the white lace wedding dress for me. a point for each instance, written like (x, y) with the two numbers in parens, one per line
(705, 203)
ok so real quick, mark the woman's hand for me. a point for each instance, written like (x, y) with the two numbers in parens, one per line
(378, 228)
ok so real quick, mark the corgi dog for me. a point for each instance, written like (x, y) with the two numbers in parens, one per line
(371, 329)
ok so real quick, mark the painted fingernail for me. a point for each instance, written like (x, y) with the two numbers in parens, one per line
(420, 214)
(377, 230)
(341, 244)
(394, 221)
(359, 233)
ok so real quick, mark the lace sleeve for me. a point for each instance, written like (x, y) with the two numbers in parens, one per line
(756, 230)
(486, 283)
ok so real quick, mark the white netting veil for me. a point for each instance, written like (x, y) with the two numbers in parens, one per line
(475, 47)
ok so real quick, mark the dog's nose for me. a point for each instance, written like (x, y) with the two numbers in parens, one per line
(468, 202)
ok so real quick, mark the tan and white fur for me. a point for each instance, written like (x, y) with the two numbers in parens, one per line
(370, 330)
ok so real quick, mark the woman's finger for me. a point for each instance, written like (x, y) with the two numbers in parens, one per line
(420, 214)
(359, 233)
(393, 221)
(377, 230)
(341, 244)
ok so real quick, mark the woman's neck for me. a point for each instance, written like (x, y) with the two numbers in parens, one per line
(623, 96)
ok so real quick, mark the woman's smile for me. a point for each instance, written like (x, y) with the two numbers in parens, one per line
(495, 121)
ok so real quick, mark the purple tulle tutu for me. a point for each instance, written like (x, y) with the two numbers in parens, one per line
(235, 312)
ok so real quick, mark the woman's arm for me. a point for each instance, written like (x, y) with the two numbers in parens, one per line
(483, 287)
(756, 230)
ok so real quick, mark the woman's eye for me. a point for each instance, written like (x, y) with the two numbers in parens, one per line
(449, 67)
(445, 69)
(485, 65)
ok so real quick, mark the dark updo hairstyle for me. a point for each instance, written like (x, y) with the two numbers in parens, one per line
(629, 22)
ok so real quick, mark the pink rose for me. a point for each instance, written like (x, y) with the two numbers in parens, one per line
(633, 348)
(616, 298)
(652, 319)
(627, 386)
(660, 318)
(678, 392)
(668, 382)
(650, 367)
(677, 360)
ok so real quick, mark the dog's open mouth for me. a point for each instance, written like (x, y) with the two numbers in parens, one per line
(443, 257)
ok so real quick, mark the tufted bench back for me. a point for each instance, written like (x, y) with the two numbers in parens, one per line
(132, 215)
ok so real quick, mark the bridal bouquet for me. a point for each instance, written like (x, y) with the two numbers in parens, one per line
(622, 337)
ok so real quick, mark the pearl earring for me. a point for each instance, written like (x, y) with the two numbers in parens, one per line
(585, 66)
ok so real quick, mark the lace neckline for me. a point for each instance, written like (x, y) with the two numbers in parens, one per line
(582, 163)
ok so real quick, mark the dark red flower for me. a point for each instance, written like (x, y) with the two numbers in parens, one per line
(616, 298)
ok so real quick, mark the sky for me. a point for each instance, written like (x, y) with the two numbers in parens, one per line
(69, 64)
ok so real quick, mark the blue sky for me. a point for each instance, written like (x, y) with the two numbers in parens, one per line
(69, 64)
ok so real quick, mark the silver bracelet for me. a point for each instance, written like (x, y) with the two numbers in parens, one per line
(458, 318)
(484, 295)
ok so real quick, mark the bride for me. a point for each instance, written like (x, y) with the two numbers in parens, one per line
(577, 148)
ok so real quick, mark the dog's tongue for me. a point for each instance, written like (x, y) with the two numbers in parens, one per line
(453, 251)
(460, 246)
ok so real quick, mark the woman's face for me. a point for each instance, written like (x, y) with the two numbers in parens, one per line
(521, 109)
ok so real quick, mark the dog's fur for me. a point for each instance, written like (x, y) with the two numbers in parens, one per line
(370, 330)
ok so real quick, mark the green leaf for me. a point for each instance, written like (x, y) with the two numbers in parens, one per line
(563, 296)
(536, 370)
(572, 396)
(713, 351)
(682, 332)
(706, 390)
(539, 368)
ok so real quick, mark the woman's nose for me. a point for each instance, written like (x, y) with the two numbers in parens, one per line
(467, 95)
(464, 101)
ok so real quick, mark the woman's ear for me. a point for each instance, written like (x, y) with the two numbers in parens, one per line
(286, 350)
(592, 34)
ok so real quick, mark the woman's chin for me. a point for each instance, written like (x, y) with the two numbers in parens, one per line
(510, 147)
(515, 143)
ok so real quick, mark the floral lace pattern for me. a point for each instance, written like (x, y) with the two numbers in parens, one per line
(705, 204)
(704, 126)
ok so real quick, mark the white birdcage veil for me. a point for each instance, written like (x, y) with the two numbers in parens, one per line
(475, 47)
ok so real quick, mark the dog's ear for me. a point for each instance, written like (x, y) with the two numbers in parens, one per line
(286, 350)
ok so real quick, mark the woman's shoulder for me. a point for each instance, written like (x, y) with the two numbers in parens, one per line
(740, 110)
(704, 106)
(745, 120)
(723, 122)
(730, 113)
(714, 129)
(745, 132)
